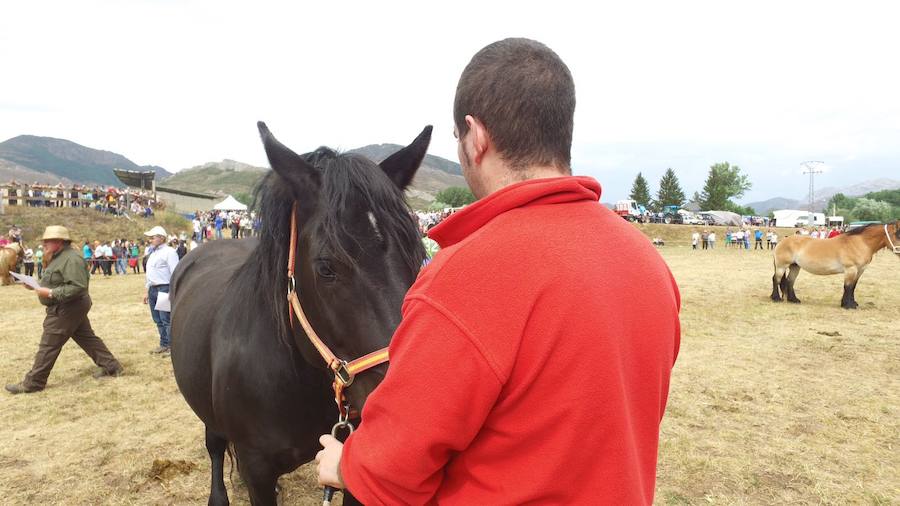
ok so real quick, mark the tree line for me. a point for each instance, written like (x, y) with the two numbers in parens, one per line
(724, 183)
(874, 206)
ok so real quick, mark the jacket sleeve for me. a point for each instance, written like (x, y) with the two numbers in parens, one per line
(75, 280)
(437, 393)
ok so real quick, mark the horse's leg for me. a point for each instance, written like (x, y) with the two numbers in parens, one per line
(791, 277)
(259, 475)
(776, 282)
(216, 447)
(851, 277)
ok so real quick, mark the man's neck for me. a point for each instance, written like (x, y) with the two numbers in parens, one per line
(501, 175)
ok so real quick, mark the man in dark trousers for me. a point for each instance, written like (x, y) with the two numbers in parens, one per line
(64, 290)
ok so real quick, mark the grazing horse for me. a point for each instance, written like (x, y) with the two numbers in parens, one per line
(242, 362)
(848, 253)
(9, 257)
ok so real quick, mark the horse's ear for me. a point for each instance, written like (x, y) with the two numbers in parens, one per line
(304, 178)
(401, 167)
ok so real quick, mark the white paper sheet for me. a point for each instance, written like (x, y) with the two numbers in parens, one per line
(162, 302)
(28, 280)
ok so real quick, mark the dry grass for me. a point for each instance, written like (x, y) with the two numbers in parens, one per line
(782, 403)
(770, 403)
(127, 440)
(86, 224)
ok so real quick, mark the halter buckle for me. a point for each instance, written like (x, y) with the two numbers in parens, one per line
(342, 373)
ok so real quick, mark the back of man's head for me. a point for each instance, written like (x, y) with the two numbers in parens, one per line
(524, 95)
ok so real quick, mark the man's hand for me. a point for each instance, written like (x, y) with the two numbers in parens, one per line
(328, 462)
(146, 298)
(43, 292)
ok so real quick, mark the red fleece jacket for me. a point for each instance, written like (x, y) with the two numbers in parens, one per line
(532, 363)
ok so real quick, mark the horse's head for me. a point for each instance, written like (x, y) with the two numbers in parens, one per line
(358, 248)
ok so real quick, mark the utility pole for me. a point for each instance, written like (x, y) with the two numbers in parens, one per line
(812, 168)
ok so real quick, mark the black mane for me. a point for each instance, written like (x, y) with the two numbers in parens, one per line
(860, 230)
(344, 177)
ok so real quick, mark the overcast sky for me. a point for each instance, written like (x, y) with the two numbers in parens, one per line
(764, 85)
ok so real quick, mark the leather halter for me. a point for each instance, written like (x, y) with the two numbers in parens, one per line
(344, 371)
(895, 249)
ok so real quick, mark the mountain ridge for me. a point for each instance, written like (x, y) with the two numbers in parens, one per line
(67, 160)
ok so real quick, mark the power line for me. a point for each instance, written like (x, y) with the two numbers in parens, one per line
(812, 168)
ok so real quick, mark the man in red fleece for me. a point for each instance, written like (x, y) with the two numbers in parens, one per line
(532, 363)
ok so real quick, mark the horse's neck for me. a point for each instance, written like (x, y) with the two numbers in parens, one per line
(875, 239)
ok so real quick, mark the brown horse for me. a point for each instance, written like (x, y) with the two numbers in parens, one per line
(9, 257)
(848, 253)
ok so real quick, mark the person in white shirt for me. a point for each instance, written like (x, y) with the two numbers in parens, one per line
(712, 240)
(695, 238)
(160, 266)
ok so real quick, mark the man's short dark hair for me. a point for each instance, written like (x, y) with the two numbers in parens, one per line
(524, 95)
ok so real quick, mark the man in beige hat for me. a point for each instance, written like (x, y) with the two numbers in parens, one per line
(64, 290)
(160, 266)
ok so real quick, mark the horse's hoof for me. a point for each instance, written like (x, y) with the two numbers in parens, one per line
(795, 301)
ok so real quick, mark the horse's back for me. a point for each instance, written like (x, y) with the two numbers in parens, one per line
(816, 256)
(210, 265)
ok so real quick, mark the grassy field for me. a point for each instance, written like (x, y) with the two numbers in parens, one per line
(770, 403)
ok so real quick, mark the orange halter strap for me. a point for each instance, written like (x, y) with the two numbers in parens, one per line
(344, 371)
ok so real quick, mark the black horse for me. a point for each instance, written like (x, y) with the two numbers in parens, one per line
(254, 379)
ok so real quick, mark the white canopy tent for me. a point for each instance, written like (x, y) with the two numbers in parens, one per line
(230, 204)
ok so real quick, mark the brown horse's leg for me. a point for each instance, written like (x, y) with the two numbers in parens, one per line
(788, 283)
(851, 277)
(776, 282)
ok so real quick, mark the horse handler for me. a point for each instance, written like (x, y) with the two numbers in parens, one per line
(64, 290)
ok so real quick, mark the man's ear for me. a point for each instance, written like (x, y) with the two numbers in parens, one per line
(401, 166)
(479, 139)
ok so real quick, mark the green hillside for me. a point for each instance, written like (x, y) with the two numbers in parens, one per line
(68, 160)
(86, 224)
(214, 180)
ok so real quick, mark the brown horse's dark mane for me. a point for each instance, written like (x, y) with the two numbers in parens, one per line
(861, 230)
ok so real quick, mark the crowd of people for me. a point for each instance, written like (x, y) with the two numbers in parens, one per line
(117, 201)
(104, 258)
(429, 219)
(210, 225)
(743, 237)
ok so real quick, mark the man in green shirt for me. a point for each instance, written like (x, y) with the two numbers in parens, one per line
(64, 290)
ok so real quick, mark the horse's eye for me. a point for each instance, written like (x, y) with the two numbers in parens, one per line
(324, 270)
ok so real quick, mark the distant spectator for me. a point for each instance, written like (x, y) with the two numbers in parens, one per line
(160, 265)
(39, 260)
(28, 261)
(695, 238)
(15, 234)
